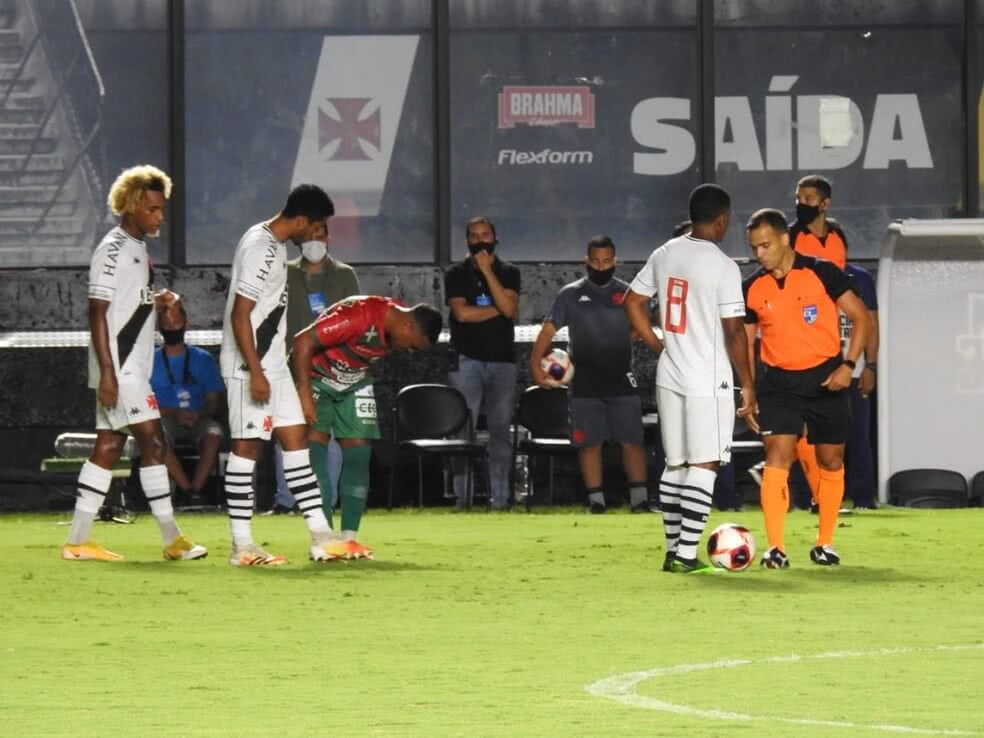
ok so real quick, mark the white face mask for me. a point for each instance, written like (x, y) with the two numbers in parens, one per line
(314, 251)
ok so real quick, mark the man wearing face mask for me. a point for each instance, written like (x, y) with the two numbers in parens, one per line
(605, 405)
(815, 233)
(189, 389)
(315, 281)
(483, 294)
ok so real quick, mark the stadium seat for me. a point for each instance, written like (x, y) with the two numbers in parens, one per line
(928, 488)
(426, 421)
(545, 415)
(977, 489)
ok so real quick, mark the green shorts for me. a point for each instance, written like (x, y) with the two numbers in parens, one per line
(345, 414)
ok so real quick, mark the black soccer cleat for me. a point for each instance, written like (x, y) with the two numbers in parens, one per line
(668, 561)
(775, 559)
(597, 508)
(824, 556)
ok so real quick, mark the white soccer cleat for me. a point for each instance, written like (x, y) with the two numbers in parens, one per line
(182, 549)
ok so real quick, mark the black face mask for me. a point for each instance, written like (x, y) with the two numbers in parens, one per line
(600, 277)
(173, 338)
(806, 214)
(474, 248)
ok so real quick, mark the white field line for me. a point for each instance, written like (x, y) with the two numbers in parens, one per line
(621, 688)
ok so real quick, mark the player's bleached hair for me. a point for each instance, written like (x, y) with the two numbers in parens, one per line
(129, 188)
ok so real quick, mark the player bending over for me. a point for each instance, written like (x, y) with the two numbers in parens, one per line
(331, 368)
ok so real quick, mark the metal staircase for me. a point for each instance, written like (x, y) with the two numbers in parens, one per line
(51, 101)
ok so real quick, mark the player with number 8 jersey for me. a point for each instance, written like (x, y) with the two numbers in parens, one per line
(701, 307)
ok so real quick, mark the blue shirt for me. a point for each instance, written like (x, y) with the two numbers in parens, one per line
(865, 283)
(193, 375)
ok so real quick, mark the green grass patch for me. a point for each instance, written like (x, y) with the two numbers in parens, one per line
(492, 625)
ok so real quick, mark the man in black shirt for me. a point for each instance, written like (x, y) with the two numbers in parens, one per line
(604, 402)
(483, 294)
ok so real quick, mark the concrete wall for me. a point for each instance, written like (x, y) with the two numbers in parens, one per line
(55, 299)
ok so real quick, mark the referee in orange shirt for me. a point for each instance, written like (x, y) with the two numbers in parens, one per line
(792, 303)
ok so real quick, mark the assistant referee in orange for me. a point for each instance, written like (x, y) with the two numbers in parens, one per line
(792, 304)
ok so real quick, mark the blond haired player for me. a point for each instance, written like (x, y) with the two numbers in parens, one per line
(122, 306)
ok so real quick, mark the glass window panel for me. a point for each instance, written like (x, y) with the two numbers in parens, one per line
(520, 14)
(806, 13)
(560, 135)
(339, 94)
(90, 100)
(873, 107)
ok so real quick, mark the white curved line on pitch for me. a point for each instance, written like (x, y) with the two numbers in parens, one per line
(621, 688)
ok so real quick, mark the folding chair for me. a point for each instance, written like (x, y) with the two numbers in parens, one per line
(546, 415)
(928, 488)
(426, 420)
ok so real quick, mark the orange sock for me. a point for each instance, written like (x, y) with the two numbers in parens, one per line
(775, 502)
(829, 497)
(807, 454)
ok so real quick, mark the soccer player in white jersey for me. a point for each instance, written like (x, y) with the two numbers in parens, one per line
(121, 353)
(262, 396)
(701, 309)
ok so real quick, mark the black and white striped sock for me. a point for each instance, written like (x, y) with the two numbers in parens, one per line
(303, 485)
(239, 498)
(669, 503)
(696, 496)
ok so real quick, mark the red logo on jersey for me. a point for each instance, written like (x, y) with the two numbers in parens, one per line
(578, 436)
(676, 305)
(345, 124)
(617, 297)
(152, 401)
(267, 423)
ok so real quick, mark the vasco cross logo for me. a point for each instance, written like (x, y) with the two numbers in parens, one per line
(344, 125)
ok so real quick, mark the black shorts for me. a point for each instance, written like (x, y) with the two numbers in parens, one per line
(595, 420)
(788, 399)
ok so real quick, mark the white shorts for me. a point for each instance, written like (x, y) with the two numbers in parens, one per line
(249, 419)
(695, 430)
(135, 403)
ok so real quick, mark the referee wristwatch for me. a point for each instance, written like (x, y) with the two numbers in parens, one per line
(850, 364)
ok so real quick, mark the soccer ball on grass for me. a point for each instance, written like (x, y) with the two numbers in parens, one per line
(731, 546)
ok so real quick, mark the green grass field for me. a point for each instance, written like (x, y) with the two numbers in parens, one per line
(495, 625)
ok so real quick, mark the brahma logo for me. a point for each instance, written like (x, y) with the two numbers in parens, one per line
(352, 119)
(342, 121)
(546, 106)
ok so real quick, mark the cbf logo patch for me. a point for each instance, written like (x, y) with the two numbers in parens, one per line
(810, 314)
